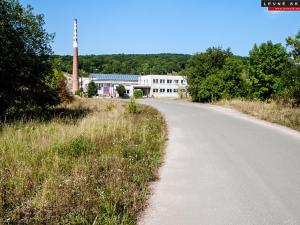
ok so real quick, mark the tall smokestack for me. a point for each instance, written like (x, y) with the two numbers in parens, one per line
(75, 59)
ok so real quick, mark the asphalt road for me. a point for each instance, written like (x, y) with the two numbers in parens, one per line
(222, 167)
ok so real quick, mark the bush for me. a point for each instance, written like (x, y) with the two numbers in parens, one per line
(92, 89)
(79, 92)
(182, 93)
(63, 93)
(121, 90)
(138, 93)
(132, 106)
(291, 83)
(211, 89)
(80, 145)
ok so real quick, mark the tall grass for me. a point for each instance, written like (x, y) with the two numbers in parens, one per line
(95, 169)
(274, 112)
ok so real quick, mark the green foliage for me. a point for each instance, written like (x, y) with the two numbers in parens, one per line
(58, 83)
(267, 63)
(125, 64)
(79, 92)
(138, 93)
(52, 78)
(24, 59)
(80, 145)
(211, 88)
(92, 89)
(234, 77)
(215, 74)
(291, 83)
(121, 90)
(132, 153)
(294, 44)
(132, 106)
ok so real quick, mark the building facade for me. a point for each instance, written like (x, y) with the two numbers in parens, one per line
(163, 86)
(158, 86)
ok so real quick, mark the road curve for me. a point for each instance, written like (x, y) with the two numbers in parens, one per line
(222, 167)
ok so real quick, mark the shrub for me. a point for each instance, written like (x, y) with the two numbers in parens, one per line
(92, 89)
(80, 145)
(138, 93)
(182, 93)
(291, 83)
(79, 92)
(121, 90)
(132, 106)
(211, 89)
(63, 93)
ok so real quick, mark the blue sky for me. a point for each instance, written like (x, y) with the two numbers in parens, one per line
(162, 26)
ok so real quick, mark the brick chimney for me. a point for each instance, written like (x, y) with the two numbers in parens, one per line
(75, 79)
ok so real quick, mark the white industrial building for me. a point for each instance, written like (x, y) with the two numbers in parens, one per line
(159, 86)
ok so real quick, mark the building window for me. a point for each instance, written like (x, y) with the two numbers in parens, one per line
(155, 81)
(175, 90)
(181, 81)
(162, 81)
(162, 90)
(169, 81)
(176, 81)
(127, 91)
(155, 90)
(169, 90)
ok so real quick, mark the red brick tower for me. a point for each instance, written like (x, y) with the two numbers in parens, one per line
(75, 59)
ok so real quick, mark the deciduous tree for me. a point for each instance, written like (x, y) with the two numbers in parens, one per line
(24, 64)
(267, 64)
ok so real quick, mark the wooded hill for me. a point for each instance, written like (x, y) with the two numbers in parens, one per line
(125, 63)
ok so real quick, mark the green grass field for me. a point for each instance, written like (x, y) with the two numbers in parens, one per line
(92, 164)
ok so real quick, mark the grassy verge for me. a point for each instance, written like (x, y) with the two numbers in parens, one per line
(273, 112)
(83, 170)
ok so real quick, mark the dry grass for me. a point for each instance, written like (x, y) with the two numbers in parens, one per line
(273, 112)
(93, 169)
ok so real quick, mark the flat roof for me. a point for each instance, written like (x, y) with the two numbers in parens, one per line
(114, 77)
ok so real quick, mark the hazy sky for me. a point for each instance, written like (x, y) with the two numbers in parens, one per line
(162, 26)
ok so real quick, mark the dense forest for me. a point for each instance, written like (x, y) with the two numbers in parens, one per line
(125, 64)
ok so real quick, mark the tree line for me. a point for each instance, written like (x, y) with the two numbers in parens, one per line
(271, 71)
(140, 64)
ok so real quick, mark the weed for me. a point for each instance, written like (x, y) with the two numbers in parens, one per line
(274, 112)
(93, 168)
(132, 106)
(80, 145)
